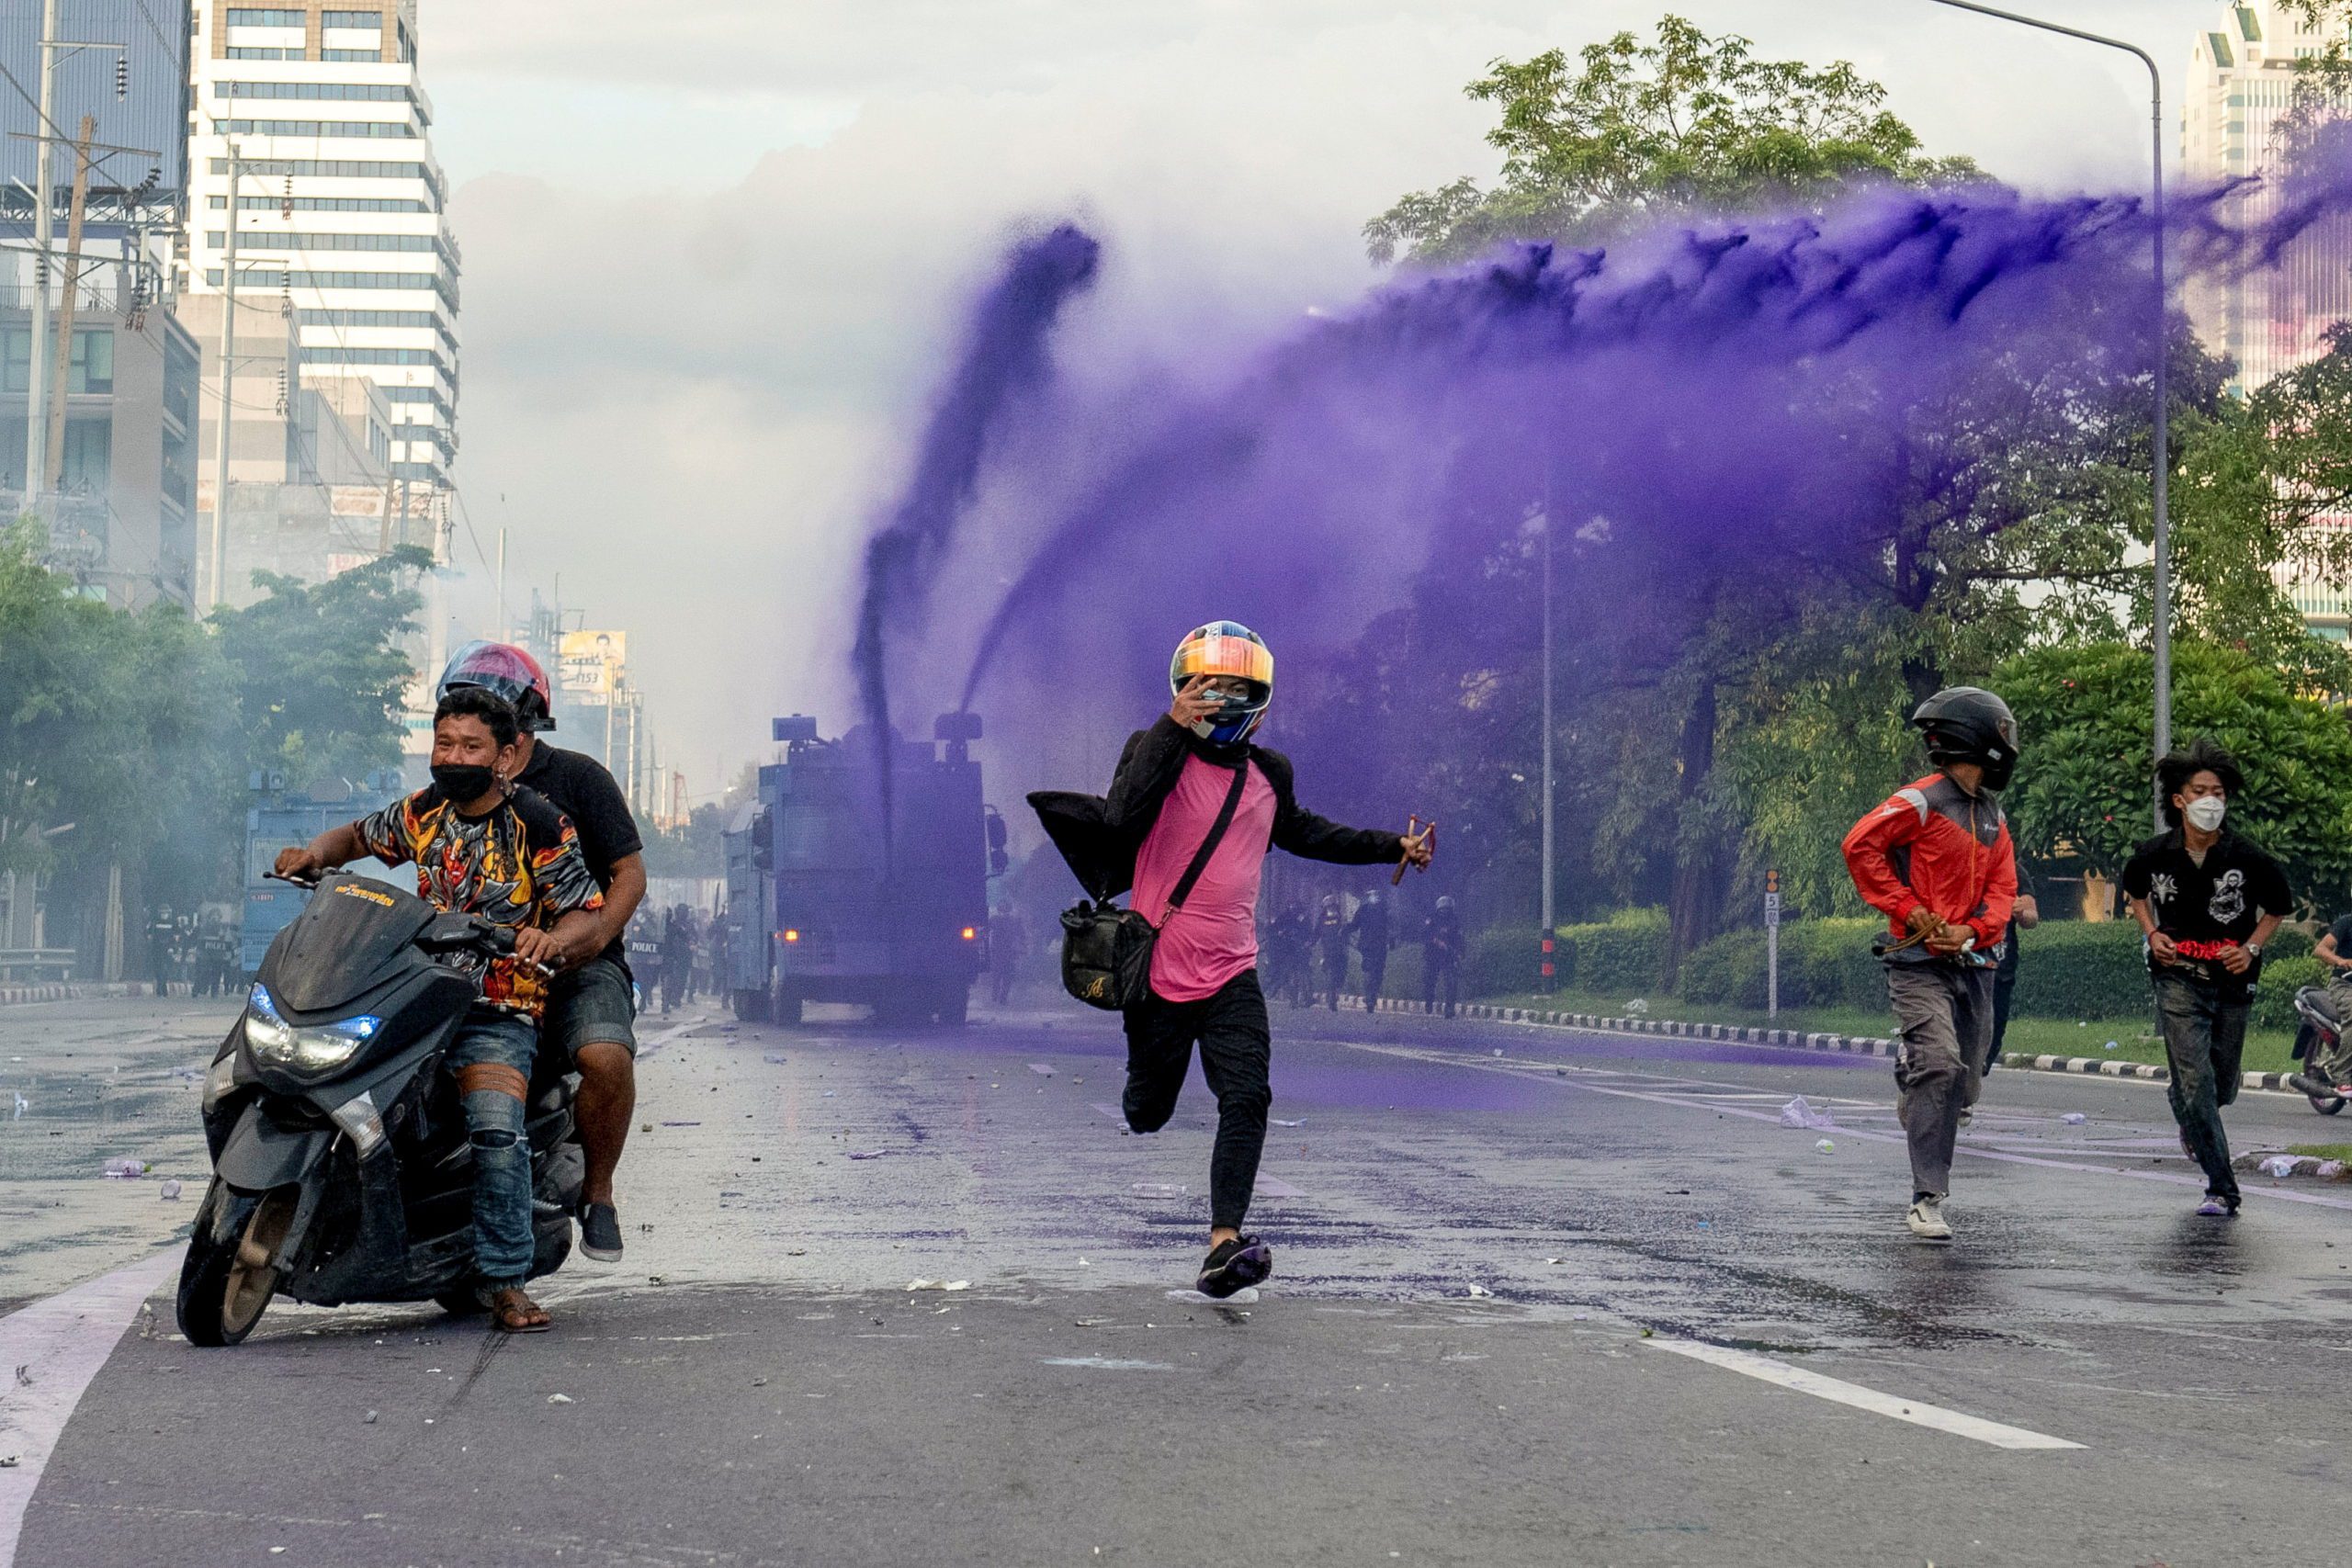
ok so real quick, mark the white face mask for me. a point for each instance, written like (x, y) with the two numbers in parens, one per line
(2205, 812)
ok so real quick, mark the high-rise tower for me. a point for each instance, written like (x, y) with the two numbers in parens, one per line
(317, 107)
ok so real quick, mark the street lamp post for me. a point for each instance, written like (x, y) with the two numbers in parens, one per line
(2162, 539)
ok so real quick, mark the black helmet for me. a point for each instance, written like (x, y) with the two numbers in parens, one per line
(1969, 724)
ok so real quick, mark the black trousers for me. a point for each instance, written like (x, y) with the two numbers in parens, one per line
(1236, 1048)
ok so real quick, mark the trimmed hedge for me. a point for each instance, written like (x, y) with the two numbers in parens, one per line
(1624, 953)
(2070, 969)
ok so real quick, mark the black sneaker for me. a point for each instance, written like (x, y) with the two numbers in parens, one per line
(1235, 1265)
(600, 1232)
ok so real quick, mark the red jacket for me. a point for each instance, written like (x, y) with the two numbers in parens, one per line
(1935, 844)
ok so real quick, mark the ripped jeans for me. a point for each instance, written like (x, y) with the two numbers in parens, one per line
(503, 1242)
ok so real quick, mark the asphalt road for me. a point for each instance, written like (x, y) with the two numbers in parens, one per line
(1540, 1298)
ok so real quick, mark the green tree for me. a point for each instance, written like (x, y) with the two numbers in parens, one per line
(322, 679)
(1683, 123)
(2086, 781)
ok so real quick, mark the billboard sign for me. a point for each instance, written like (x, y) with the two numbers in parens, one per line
(589, 666)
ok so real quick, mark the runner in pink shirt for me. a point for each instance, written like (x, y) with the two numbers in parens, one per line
(1178, 781)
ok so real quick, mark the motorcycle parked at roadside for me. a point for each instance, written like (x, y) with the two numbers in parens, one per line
(342, 1169)
(2326, 1078)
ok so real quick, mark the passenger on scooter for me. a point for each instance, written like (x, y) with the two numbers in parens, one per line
(485, 846)
(2334, 954)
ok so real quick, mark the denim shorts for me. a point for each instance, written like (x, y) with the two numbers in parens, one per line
(592, 1005)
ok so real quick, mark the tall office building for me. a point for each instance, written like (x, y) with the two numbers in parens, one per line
(337, 205)
(116, 426)
(2273, 319)
(2241, 84)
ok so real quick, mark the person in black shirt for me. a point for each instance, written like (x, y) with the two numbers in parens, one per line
(2327, 1070)
(1440, 956)
(2209, 900)
(1371, 928)
(592, 1009)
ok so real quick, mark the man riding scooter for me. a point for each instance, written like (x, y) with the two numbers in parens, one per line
(483, 846)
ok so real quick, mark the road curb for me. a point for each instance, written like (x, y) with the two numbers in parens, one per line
(1801, 1040)
(11, 996)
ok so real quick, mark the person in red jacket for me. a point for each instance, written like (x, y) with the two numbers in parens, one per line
(1937, 860)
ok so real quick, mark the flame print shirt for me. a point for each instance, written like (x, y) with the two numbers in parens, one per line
(518, 864)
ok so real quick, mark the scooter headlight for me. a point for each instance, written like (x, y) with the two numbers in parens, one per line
(315, 1048)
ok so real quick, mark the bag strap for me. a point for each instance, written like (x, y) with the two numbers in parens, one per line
(1208, 845)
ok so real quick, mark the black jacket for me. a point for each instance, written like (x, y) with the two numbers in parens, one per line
(1100, 835)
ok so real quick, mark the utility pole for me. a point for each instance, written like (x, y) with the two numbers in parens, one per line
(61, 363)
(227, 389)
(44, 236)
(2161, 479)
(1550, 926)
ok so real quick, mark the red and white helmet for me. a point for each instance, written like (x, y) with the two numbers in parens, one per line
(505, 670)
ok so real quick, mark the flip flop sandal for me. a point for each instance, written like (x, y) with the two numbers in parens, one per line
(514, 1315)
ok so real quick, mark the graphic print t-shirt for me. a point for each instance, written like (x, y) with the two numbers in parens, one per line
(518, 864)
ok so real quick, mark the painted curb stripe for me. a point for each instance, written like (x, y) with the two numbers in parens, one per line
(1838, 1391)
(60, 1342)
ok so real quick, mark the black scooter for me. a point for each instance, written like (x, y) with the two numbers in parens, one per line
(2319, 1047)
(341, 1170)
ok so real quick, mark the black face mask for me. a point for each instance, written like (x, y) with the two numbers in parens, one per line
(461, 781)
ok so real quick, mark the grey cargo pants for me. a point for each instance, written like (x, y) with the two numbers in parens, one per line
(1945, 1012)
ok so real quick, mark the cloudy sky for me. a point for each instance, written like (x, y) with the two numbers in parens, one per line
(714, 248)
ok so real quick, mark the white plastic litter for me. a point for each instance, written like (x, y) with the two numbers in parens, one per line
(1635, 1008)
(1280, 1123)
(23, 1105)
(2111, 1046)
(1800, 1112)
(2280, 1165)
(559, 1399)
(1824, 1146)
(2074, 1119)
(1480, 1290)
(126, 1169)
(169, 1192)
(941, 1284)
(2329, 1170)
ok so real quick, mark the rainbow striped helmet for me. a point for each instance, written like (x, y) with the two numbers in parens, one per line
(1227, 648)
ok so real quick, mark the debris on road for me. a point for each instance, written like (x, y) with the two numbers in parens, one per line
(868, 1154)
(1280, 1123)
(1480, 1290)
(369, 1419)
(560, 1399)
(1799, 1112)
(1155, 1189)
(1824, 1146)
(169, 1192)
(2281, 1166)
(126, 1169)
(678, 1124)
(2074, 1119)
(939, 1284)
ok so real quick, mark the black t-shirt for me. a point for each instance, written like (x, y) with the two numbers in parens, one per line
(584, 791)
(2203, 907)
(2342, 932)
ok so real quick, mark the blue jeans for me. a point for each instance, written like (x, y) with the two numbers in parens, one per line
(502, 1244)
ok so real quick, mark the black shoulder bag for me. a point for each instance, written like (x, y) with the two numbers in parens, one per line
(1106, 950)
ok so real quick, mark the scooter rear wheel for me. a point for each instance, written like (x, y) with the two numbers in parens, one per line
(2326, 1104)
(225, 1286)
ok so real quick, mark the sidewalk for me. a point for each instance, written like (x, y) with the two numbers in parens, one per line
(1862, 1044)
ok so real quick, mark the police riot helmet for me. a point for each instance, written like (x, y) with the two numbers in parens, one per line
(505, 670)
(1969, 724)
(1226, 648)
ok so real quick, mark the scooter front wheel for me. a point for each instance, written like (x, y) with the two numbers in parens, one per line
(226, 1285)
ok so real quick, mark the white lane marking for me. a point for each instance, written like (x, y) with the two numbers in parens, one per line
(1568, 1075)
(59, 1343)
(1840, 1392)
